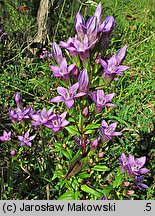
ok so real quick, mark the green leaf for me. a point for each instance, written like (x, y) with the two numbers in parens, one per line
(68, 195)
(67, 155)
(118, 181)
(90, 190)
(83, 175)
(102, 168)
(72, 130)
(80, 121)
(107, 189)
(92, 126)
(89, 132)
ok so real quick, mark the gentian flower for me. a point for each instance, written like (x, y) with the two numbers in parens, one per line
(79, 141)
(101, 100)
(57, 122)
(133, 167)
(57, 53)
(62, 71)
(108, 25)
(67, 95)
(81, 48)
(43, 117)
(19, 114)
(113, 65)
(18, 100)
(107, 132)
(80, 25)
(83, 80)
(98, 13)
(45, 54)
(6, 136)
(26, 139)
(138, 182)
(92, 29)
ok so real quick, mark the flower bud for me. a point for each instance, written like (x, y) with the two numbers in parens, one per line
(57, 53)
(100, 155)
(95, 143)
(130, 192)
(126, 184)
(83, 81)
(18, 100)
(12, 152)
(85, 112)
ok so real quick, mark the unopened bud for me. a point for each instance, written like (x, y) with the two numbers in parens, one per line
(13, 152)
(85, 112)
(100, 155)
(130, 192)
(126, 184)
(95, 143)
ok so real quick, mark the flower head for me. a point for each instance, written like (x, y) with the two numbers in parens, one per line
(133, 167)
(26, 139)
(83, 80)
(6, 136)
(101, 100)
(57, 53)
(18, 99)
(63, 70)
(79, 141)
(138, 182)
(67, 95)
(80, 47)
(43, 117)
(45, 54)
(107, 132)
(19, 114)
(113, 65)
(57, 122)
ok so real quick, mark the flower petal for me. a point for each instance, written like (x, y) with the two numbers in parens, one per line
(74, 88)
(69, 103)
(57, 99)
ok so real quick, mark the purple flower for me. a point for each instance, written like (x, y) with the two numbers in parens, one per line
(18, 100)
(6, 136)
(67, 95)
(138, 182)
(19, 114)
(101, 100)
(83, 80)
(45, 54)
(62, 71)
(12, 152)
(107, 132)
(94, 143)
(113, 65)
(133, 167)
(43, 117)
(85, 112)
(26, 139)
(103, 197)
(92, 29)
(108, 25)
(79, 142)
(57, 122)
(136, 165)
(80, 25)
(81, 48)
(98, 13)
(57, 53)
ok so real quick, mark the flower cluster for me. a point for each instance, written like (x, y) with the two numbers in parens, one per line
(134, 168)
